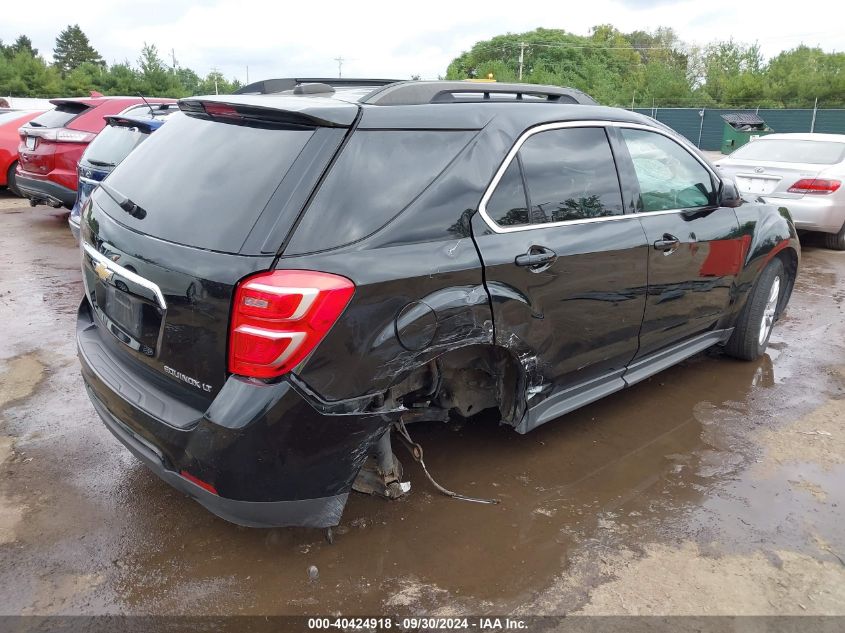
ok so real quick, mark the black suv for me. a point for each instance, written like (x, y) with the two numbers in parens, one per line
(275, 281)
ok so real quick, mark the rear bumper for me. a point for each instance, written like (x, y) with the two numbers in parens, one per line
(273, 458)
(41, 189)
(812, 212)
(321, 512)
(73, 223)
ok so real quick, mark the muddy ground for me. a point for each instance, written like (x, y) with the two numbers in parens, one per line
(714, 487)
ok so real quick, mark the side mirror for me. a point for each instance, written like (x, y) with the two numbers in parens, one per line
(729, 195)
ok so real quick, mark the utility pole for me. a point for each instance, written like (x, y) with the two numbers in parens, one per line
(633, 96)
(173, 57)
(522, 46)
(339, 61)
(247, 74)
(815, 109)
(215, 72)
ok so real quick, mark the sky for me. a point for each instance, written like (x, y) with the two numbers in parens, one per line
(393, 39)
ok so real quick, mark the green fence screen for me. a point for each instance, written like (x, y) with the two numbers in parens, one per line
(706, 132)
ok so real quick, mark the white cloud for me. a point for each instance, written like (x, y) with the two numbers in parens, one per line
(393, 39)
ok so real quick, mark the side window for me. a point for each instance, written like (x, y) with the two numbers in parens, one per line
(508, 206)
(669, 177)
(570, 175)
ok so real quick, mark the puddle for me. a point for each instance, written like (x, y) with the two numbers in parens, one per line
(19, 377)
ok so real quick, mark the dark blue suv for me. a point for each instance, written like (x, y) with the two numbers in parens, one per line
(121, 135)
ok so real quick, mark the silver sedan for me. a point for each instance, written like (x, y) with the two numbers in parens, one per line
(802, 172)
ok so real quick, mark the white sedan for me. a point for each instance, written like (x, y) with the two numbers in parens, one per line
(802, 172)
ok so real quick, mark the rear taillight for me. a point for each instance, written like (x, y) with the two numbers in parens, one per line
(60, 134)
(278, 317)
(818, 186)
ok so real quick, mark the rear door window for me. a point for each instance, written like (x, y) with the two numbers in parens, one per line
(568, 174)
(571, 175)
(377, 175)
(204, 183)
(60, 116)
(508, 205)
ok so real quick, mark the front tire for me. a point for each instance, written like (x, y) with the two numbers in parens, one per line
(11, 181)
(835, 241)
(754, 327)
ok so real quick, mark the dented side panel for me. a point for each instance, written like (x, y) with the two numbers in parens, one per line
(419, 286)
(578, 319)
(411, 304)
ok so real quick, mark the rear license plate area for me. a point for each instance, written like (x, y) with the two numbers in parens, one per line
(131, 319)
(758, 185)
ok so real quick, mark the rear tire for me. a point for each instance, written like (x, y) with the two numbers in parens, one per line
(754, 327)
(835, 241)
(11, 181)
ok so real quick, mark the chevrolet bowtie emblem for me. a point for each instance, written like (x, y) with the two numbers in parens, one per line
(103, 272)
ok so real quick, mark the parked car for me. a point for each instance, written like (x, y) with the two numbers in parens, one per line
(803, 172)
(122, 134)
(10, 121)
(255, 321)
(52, 144)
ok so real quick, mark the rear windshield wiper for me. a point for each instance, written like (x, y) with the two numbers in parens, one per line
(123, 202)
(99, 163)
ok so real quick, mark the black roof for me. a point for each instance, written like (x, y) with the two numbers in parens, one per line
(428, 105)
(420, 92)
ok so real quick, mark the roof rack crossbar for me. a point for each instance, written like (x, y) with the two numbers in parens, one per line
(272, 86)
(421, 92)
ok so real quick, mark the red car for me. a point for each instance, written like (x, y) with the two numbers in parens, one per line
(52, 144)
(10, 121)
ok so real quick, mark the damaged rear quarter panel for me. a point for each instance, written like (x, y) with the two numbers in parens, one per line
(419, 277)
(362, 354)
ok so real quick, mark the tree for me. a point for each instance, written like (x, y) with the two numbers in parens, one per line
(156, 77)
(22, 45)
(733, 72)
(609, 65)
(73, 49)
(797, 77)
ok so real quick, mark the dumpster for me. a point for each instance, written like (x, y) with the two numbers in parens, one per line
(740, 128)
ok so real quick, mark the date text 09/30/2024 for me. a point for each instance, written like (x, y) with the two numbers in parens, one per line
(411, 623)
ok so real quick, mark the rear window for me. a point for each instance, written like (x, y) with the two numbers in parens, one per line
(778, 150)
(60, 116)
(113, 144)
(378, 174)
(204, 183)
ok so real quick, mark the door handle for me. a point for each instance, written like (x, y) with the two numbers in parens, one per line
(668, 244)
(536, 257)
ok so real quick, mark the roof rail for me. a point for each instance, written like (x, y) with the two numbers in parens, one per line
(272, 86)
(419, 92)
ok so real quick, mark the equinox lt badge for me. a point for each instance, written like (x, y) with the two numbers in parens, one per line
(191, 381)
